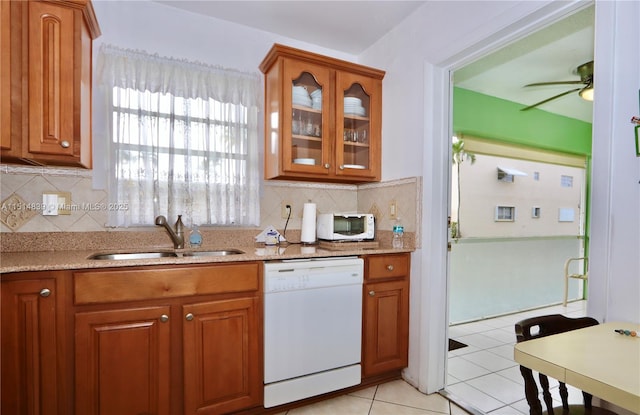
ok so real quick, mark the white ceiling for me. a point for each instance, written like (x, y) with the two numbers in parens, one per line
(551, 54)
(348, 26)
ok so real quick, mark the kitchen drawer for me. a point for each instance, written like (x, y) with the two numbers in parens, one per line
(387, 266)
(115, 285)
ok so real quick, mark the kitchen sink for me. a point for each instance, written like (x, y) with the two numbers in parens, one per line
(164, 254)
(133, 255)
(216, 252)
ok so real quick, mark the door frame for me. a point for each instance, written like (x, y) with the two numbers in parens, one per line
(432, 259)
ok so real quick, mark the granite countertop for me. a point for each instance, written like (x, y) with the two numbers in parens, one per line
(79, 259)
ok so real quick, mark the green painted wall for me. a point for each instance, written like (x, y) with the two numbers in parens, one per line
(488, 117)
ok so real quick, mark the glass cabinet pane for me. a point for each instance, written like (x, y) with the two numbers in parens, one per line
(356, 131)
(306, 121)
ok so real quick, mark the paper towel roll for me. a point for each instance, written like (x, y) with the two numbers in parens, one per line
(308, 232)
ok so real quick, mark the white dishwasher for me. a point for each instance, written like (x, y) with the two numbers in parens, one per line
(312, 327)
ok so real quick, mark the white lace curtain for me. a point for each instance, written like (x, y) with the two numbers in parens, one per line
(184, 140)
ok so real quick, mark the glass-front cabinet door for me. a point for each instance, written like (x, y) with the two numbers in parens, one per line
(306, 128)
(322, 118)
(358, 103)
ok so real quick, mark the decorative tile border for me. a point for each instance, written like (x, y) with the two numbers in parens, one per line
(311, 185)
(46, 171)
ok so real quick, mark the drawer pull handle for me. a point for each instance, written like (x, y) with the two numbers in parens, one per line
(390, 267)
(45, 292)
(189, 317)
(164, 318)
(65, 144)
(372, 293)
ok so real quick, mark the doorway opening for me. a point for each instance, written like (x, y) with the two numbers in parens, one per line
(521, 210)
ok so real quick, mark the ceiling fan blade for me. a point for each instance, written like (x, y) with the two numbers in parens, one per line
(550, 99)
(555, 83)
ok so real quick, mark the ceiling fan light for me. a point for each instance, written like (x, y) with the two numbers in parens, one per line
(586, 93)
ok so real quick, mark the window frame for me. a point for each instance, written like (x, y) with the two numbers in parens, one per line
(566, 181)
(535, 212)
(497, 215)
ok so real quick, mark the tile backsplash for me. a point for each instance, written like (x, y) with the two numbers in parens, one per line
(21, 189)
(29, 183)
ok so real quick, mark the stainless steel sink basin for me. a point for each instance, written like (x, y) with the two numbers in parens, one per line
(164, 254)
(133, 255)
(216, 252)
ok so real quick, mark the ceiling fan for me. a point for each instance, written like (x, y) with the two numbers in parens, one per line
(586, 92)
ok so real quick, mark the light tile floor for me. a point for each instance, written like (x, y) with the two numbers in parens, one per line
(391, 398)
(484, 374)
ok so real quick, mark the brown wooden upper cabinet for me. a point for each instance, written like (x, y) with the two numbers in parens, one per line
(322, 118)
(45, 105)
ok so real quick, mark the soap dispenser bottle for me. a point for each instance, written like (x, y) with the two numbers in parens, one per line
(195, 237)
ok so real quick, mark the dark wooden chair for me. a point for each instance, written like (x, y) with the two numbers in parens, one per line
(533, 328)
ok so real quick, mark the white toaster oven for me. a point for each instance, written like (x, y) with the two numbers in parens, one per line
(345, 226)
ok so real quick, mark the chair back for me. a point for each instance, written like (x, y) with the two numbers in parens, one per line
(541, 326)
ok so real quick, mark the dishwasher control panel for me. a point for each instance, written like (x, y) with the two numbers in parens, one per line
(310, 274)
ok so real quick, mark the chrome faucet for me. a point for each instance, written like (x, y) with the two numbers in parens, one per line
(177, 236)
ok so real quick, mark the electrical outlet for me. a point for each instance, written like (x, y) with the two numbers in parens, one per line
(286, 211)
(393, 209)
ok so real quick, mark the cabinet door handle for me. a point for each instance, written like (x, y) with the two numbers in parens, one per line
(189, 317)
(45, 292)
(372, 293)
(390, 267)
(164, 318)
(327, 165)
(341, 167)
(65, 144)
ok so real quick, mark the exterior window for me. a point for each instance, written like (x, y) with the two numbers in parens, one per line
(566, 215)
(505, 214)
(566, 181)
(505, 177)
(536, 176)
(535, 212)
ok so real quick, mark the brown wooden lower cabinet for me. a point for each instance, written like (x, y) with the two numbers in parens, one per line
(222, 363)
(123, 358)
(144, 346)
(122, 361)
(164, 340)
(30, 347)
(385, 337)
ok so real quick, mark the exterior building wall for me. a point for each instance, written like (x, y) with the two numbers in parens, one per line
(482, 192)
